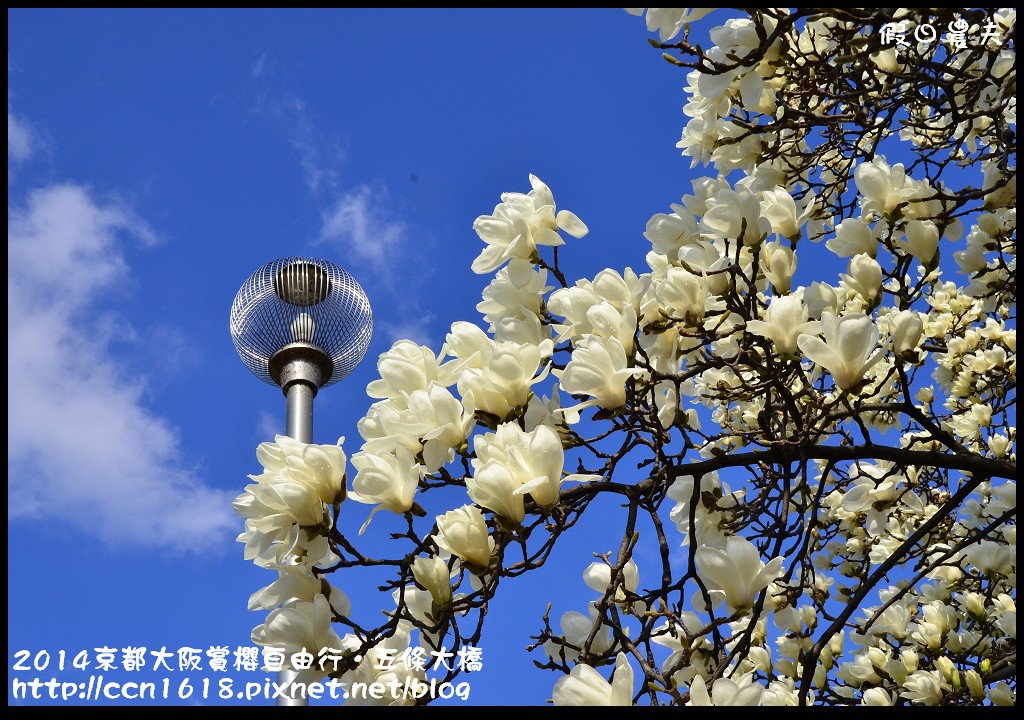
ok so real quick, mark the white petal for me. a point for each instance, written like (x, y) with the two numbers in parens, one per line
(571, 224)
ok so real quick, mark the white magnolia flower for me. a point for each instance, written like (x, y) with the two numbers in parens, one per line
(779, 265)
(296, 584)
(501, 383)
(864, 277)
(463, 533)
(1005, 196)
(467, 343)
(735, 215)
(598, 576)
(685, 640)
(736, 572)
(433, 574)
(670, 232)
(991, 557)
(725, 691)
(780, 208)
(853, 237)
(302, 626)
(706, 520)
(534, 458)
(386, 666)
(906, 328)
(431, 421)
(606, 307)
(321, 467)
(848, 350)
(515, 292)
(821, 298)
(494, 487)
(388, 479)
(684, 295)
(1001, 694)
(576, 628)
(519, 224)
(877, 696)
(277, 510)
(782, 693)
(406, 368)
(785, 321)
(585, 686)
(700, 138)
(873, 490)
(883, 187)
(669, 21)
(924, 687)
(921, 239)
(598, 369)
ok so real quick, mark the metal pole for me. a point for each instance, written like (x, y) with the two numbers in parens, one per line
(300, 324)
(299, 381)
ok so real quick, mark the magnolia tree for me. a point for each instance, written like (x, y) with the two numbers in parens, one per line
(822, 456)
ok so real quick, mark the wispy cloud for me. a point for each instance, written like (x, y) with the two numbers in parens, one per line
(19, 138)
(360, 221)
(418, 330)
(357, 218)
(259, 67)
(22, 140)
(269, 427)
(83, 448)
(319, 155)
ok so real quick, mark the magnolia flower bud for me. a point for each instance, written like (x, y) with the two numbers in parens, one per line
(877, 657)
(946, 667)
(975, 603)
(909, 659)
(876, 696)
(975, 685)
(432, 573)
(864, 277)
(922, 241)
(906, 328)
(779, 265)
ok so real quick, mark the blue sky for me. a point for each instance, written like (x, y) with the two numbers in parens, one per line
(156, 158)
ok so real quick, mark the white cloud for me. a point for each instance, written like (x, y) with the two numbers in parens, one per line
(269, 427)
(19, 138)
(359, 220)
(418, 331)
(82, 447)
(319, 157)
(259, 67)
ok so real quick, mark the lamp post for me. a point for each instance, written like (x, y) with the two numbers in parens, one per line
(301, 324)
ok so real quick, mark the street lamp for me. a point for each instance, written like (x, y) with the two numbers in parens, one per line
(301, 324)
